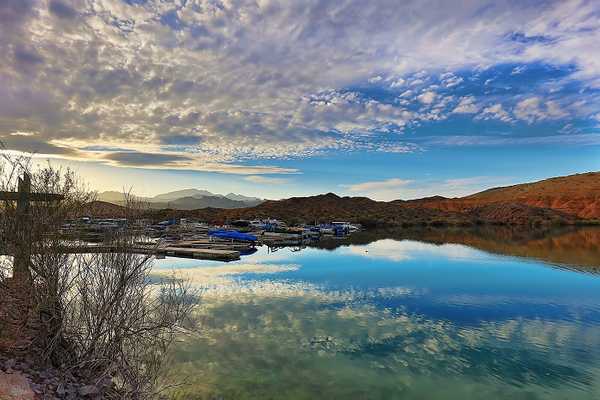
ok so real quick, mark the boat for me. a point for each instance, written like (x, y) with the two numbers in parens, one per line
(233, 235)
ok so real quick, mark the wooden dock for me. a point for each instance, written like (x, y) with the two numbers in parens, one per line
(171, 251)
(201, 254)
(210, 244)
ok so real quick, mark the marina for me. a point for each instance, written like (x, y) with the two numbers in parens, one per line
(185, 238)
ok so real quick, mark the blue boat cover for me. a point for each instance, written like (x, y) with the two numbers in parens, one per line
(235, 235)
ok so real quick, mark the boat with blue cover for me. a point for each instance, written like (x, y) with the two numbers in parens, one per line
(233, 235)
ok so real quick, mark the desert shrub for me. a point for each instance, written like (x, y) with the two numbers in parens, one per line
(98, 314)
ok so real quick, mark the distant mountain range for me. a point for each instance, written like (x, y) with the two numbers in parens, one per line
(187, 199)
(563, 200)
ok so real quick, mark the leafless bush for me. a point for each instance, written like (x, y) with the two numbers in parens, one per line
(118, 323)
(99, 314)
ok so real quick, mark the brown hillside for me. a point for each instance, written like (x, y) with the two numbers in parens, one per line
(104, 209)
(577, 195)
(323, 208)
(330, 207)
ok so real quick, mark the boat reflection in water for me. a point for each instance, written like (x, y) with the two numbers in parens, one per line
(431, 314)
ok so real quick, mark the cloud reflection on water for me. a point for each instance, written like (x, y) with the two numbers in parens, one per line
(259, 338)
(301, 346)
(403, 250)
(223, 281)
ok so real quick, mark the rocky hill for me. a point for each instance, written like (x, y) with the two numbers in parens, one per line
(577, 195)
(370, 213)
(328, 207)
(103, 209)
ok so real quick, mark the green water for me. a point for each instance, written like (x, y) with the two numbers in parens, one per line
(392, 319)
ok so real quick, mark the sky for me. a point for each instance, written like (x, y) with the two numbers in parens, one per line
(386, 99)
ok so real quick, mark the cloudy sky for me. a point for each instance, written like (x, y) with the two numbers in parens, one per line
(381, 98)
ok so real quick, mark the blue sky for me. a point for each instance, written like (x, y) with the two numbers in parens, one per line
(278, 99)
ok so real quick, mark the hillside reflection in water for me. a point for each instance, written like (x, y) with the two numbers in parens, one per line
(570, 247)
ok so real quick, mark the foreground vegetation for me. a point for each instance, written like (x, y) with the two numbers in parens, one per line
(92, 318)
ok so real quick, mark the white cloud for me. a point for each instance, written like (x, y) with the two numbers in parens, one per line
(533, 109)
(554, 110)
(529, 110)
(568, 129)
(134, 159)
(394, 189)
(450, 80)
(495, 111)
(403, 250)
(264, 180)
(398, 83)
(393, 183)
(22, 134)
(582, 139)
(518, 70)
(466, 106)
(427, 97)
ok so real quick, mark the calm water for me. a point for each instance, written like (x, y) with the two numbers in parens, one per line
(398, 318)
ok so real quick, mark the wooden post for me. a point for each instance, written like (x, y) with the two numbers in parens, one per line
(23, 225)
(21, 271)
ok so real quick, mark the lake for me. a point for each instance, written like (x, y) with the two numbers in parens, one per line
(430, 314)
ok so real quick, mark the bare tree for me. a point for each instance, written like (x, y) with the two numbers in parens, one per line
(98, 314)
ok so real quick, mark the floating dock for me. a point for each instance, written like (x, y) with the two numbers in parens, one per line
(171, 251)
(196, 253)
(211, 244)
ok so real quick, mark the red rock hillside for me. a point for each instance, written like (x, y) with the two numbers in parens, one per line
(577, 195)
